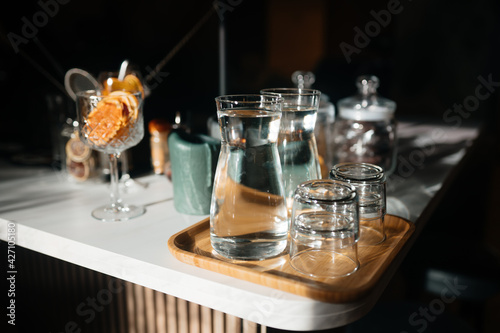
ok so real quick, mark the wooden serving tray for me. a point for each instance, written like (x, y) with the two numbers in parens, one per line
(193, 247)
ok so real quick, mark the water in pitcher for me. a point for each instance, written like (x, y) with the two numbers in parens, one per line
(248, 214)
(298, 149)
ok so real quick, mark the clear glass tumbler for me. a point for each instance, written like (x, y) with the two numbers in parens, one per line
(370, 183)
(248, 217)
(297, 143)
(324, 229)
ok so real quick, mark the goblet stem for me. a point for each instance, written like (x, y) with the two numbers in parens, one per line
(116, 210)
(116, 201)
(126, 180)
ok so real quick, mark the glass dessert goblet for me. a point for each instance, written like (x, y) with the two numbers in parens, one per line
(126, 79)
(111, 124)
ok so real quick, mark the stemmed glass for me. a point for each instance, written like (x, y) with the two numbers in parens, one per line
(126, 79)
(111, 124)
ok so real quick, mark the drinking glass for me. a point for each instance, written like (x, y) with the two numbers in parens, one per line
(127, 79)
(111, 124)
(248, 217)
(370, 182)
(297, 144)
(324, 229)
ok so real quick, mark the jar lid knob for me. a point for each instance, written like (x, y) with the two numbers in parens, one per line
(303, 80)
(367, 84)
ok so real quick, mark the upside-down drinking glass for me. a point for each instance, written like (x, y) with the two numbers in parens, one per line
(111, 124)
(370, 183)
(324, 229)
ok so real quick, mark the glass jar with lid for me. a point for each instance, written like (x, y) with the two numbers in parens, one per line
(365, 128)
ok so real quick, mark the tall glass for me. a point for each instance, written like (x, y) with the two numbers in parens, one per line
(111, 124)
(297, 143)
(248, 217)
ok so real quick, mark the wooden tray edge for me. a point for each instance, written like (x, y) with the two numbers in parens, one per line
(251, 275)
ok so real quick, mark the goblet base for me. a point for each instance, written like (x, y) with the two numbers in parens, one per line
(118, 213)
(129, 185)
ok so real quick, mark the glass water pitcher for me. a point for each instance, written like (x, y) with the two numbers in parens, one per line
(248, 217)
(297, 143)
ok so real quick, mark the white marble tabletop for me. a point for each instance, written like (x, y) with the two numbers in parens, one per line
(52, 216)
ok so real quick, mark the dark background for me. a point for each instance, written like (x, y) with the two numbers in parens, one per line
(428, 59)
(428, 56)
